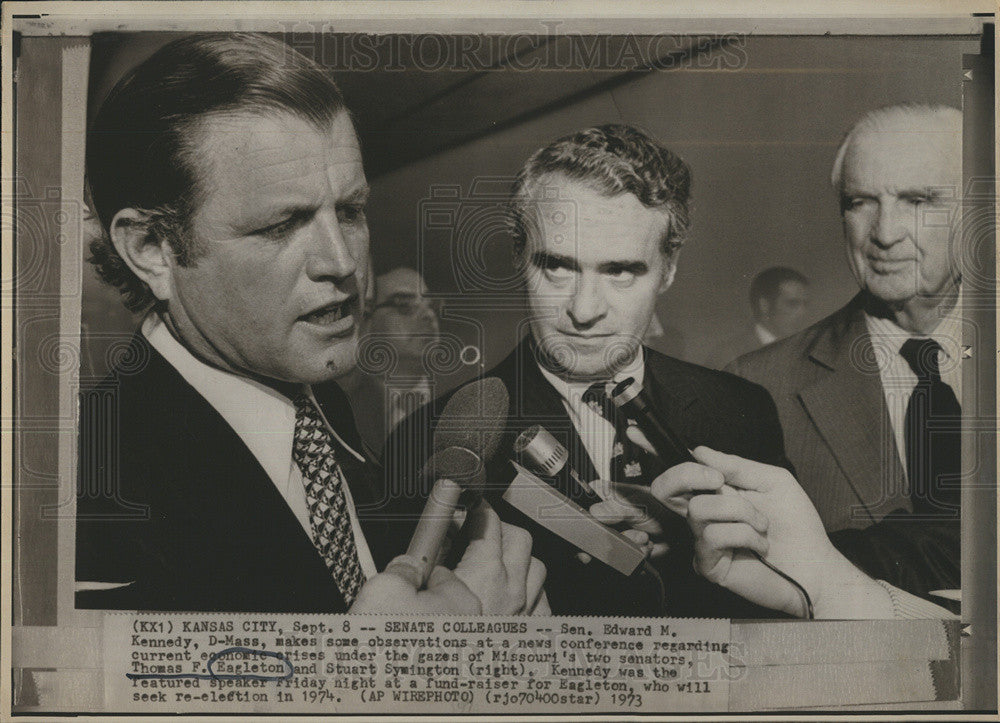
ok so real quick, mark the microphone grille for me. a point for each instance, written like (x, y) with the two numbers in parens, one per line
(540, 451)
(474, 418)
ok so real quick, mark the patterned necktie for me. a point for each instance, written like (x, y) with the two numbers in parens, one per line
(933, 427)
(629, 462)
(324, 482)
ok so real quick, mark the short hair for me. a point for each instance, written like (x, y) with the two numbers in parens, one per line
(940, 117)
(141, 150)
(611, 159)
(767, 284)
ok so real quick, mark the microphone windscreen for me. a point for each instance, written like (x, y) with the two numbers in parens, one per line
(458, 464)
(474, 418)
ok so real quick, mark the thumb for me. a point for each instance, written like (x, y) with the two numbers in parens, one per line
(637, 437)
(725, 463)
(405, 567)
(739, 472)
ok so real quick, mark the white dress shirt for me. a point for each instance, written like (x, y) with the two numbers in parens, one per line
(899, 380)
(764, 335)
(596, 432)
(263, 419)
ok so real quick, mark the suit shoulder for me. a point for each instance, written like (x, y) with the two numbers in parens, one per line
(710, 383)
(780, 356)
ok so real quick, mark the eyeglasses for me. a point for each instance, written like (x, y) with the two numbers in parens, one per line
(410, 304)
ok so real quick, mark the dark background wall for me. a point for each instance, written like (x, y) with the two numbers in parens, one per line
(758, 120)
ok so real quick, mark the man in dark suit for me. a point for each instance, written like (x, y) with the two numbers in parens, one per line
(220, 468)
(868, 397)
(598, 219)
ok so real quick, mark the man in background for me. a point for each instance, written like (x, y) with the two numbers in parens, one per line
(779, 302)
(869, 396)
(405, 323)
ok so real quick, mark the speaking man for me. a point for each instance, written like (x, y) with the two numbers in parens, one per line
(869, 396)
(220, 468)
(598, 219)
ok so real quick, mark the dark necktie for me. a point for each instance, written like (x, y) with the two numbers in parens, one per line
(324, 482)
(629, 462)
(933, 427)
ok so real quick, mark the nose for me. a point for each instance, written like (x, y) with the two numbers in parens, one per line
(891, 224)
(587, 306)
(329, 256)
(427, 313)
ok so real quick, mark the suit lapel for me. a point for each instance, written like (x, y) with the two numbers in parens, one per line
(537, 402)
(217, 501)
(847, 406)
(671, 394)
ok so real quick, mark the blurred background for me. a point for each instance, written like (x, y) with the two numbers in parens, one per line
(758, 119)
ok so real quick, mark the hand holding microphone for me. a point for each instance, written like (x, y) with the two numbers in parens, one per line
(496, 576)
(467, 434)
(679, 485)
(497, 566)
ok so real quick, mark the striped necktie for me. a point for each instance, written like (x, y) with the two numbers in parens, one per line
(629, 462)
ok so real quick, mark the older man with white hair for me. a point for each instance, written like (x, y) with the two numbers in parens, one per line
(869, 396)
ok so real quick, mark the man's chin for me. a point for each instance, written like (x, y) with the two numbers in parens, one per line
(893, 291)
(326, 367)
(577, 363)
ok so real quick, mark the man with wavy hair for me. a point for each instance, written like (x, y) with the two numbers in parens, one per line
(598, 220)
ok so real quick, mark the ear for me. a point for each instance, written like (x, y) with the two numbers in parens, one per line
(669, 270)
(149, 259)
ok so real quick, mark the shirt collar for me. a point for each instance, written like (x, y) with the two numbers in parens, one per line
(764, 336)
(886, 333)
(573, 391)
(262, 417)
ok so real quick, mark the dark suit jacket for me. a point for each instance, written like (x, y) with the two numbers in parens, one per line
(703, 406)
(171, 501)
(825, 381)
(826, 384)
(732, 347)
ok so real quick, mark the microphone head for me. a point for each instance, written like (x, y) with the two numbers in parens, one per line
(460, 465)
(474, 418)
(540, 452)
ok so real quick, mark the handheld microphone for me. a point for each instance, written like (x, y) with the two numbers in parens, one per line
(474, 418)
(629, 396)
(454, 470)
(467, 435)
(542, 454)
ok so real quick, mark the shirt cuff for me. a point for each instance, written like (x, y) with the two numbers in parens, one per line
(910, 607)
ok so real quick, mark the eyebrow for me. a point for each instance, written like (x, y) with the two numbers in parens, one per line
(544, 259)
(359, 195)
(925, 191)
(633, 267)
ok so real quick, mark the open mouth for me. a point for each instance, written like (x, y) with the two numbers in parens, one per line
(330, 313)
